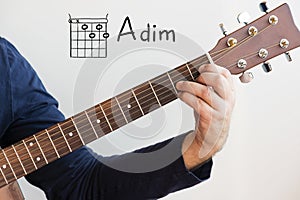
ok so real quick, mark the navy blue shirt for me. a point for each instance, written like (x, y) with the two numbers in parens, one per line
(26, 108)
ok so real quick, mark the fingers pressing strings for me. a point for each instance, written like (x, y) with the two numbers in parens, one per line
(196, 93)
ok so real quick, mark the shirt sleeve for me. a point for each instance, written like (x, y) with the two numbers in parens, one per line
(83, 174)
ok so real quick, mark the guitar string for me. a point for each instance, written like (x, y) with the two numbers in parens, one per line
(252, 55)
(39, 151)
(33, 152)
(244, 41)
(230, 67)
(149, 89)
(216, 60)
(66, 134)
(137, 94)
(103, 118)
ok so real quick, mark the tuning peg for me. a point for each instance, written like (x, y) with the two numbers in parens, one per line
(222, 27)
(244, 18)
(263, 7)
(267, 67)
(246, 77)
(288, 56)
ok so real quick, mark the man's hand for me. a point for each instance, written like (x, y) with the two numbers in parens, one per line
(212, 97)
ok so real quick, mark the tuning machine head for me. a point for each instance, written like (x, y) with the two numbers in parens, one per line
(223, 29)
(246, 77)
(267, 67)
(263, 7)
(288, 56)
(243, 18)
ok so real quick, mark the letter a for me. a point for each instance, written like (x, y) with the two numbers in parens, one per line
(126, 33)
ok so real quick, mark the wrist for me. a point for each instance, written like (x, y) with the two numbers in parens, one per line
(191, 152)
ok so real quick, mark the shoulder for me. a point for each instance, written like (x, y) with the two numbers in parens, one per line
(8, 50)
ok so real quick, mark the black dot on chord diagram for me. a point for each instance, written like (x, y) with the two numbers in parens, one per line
(99, 27)
(92, 35)
(105, 35)
(84, 27)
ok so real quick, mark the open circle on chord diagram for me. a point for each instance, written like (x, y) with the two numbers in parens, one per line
(92, 35)
(84, 27)
(99, 27)
(105, 35)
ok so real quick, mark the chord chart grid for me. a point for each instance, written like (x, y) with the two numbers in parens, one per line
(88, 37)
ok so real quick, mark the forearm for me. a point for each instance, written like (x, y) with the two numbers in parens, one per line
(191, 152)
(148, 173)
(153, 172)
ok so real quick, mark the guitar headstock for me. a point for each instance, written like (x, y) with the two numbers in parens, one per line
(272, 34)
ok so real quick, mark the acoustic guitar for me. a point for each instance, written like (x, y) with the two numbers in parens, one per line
(268, 36)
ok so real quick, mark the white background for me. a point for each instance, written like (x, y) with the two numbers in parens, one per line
(261, 158)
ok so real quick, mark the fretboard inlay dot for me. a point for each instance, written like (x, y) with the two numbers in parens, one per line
(128, 106)
(38, 159)
(98, 121)
(4, 166)
(31, 144)
(70, 134)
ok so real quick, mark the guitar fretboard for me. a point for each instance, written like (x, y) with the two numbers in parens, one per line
(65, 137)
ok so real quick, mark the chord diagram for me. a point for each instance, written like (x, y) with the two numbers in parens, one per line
(88, 37)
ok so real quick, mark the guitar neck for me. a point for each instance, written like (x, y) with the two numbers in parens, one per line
(65, 137)
(270, 35)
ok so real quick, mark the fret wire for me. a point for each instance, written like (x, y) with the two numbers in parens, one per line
(168, 97)
(64, 137)
(147, 99)
(144, 83)
(187, 66)
(40, 149)
(178, 75)
(151, 85)
(149, 90)
(79, 134)
(24, 157)
(137, 101)
(12, 170)
(55, 133)
(112, 110)
(3, 176)
(19, 159)
(154, 93)
(91, 124)
(52, 144)
(165, 81)
(196, 61)
(121, 109)
(116, 121)
(47, 151)
(29, 154)
(172, 83)
(86, 131)
(83, 122)
(11, 163)
(105, 117)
